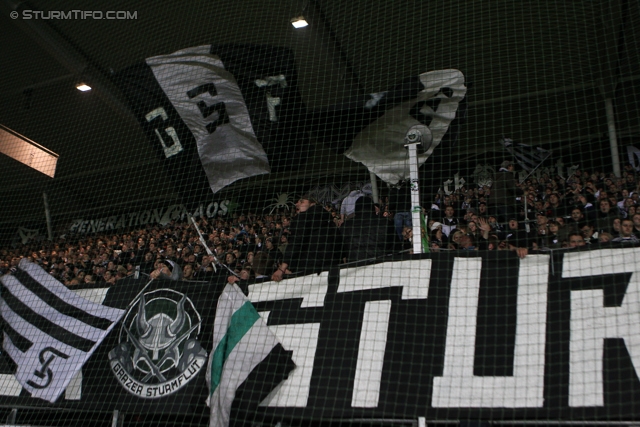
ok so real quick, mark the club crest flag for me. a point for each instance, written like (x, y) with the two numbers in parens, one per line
(49, 331)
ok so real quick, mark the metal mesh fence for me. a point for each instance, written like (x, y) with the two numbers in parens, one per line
(433, 207)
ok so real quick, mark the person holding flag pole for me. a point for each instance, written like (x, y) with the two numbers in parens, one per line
(529, 158)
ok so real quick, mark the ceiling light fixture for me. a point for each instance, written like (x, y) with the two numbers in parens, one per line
(299, 22)
(83, 87)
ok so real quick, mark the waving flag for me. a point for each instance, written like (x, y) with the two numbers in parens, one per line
(217, 114)
(372, 128)
(243, 346)
(49, 331)
(527, 156)
(380, 146)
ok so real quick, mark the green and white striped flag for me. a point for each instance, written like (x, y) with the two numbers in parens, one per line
(247, 360)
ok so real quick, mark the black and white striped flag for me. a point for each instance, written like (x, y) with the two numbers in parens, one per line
(49, 331)
(527, 156)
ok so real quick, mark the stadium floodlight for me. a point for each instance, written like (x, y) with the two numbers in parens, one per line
(83, 87)
(299, 22)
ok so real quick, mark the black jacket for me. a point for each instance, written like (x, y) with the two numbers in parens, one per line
(503, 189)
(518, 238)
(315, 244)
(367, 235)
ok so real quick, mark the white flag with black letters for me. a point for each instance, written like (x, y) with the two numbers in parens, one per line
(216, 114)
(49, 331)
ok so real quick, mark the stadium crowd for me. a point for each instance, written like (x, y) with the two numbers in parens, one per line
(587, 208)
(545, 213)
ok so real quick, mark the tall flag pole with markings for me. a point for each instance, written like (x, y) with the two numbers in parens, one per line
(49, 331)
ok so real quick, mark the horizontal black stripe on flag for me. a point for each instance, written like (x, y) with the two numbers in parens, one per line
(20, 342)
(58, 303)
(45, 325)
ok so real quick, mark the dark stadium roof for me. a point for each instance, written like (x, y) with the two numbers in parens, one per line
(539, 73)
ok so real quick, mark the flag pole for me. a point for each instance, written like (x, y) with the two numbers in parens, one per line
(526, 214)
(206, 248)
(613, 139)
(47, 214)
(209, 252)
(412, 139)
(374, 187)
